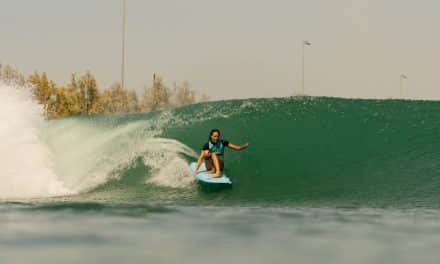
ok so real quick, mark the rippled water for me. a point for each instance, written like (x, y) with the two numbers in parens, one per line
(135, 233)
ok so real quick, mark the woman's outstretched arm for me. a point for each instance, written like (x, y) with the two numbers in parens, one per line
(235, 147)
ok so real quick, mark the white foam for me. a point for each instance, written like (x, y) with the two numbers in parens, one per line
(25, 161)
(168, 167)
(87, 155)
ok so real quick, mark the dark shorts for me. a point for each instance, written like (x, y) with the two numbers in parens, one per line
(209, 164)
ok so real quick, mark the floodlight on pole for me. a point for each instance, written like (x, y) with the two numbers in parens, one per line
(402, 77)
(304, 44)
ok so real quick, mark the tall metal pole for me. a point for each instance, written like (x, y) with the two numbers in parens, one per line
(401, 87)
(402, 77)
(303, 44)
(302, 79)
(123, 45)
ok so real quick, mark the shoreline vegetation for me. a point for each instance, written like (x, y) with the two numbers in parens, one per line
(83, 96)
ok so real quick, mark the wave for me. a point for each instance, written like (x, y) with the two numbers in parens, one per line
(324, 151)
(303, 150)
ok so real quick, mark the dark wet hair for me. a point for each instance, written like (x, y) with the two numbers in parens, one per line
(213, 131)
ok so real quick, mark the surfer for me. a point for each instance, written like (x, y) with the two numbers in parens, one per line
(212, 152)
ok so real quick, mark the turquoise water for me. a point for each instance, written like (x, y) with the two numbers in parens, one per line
(325, 180)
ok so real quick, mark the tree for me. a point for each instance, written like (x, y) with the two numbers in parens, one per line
(133, 102)
(42, 89)
(11, 76)
(183, 95)
(88, 91)
(157, 97)
(82, 96)
(113, 100)
(72, 95)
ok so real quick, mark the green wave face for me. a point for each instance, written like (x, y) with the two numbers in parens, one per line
(303, 151)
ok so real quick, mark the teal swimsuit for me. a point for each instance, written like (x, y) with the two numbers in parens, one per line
(218, 148)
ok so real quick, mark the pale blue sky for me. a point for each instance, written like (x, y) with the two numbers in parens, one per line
(233, 49)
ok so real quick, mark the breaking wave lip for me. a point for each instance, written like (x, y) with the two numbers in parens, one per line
(97, 153)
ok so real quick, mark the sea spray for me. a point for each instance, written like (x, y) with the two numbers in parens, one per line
(27, 168)
(89, 151)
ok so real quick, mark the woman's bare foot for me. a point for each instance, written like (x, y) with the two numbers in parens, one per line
(217, 175)
(211, 171)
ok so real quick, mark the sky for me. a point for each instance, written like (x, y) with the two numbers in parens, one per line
(233, 49)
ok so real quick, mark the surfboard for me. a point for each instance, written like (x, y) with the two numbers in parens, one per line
(205, 177)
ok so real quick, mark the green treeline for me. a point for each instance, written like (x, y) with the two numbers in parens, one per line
(82, 96)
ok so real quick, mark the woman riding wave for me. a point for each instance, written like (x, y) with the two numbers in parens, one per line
(213, 151)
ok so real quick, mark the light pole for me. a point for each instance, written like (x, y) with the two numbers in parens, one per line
(304, 44)
(402, 77)
(123, 45)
